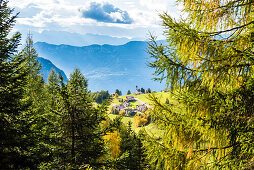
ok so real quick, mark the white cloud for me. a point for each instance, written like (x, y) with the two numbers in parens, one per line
(65, 15)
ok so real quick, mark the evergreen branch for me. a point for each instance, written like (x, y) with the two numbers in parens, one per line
(215, 148)
(232, 29)
(55, 112)
(223, 6)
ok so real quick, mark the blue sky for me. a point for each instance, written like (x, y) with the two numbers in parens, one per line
(131, 19)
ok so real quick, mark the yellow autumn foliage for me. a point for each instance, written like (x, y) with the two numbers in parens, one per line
(113, 139)
(122, 112)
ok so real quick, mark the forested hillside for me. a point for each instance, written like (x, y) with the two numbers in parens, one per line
(204, 120)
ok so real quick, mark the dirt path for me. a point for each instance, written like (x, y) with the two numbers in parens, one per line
(142, 102)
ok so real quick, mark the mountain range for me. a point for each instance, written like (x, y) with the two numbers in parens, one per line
(75, 39)
(107, 67)
(46, 69)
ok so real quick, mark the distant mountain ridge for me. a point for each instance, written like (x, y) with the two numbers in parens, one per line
(107, 67)
(76, 39)
(46, 68)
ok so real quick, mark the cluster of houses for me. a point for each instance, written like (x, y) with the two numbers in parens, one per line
(128, 111)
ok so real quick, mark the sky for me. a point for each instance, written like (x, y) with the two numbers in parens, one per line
(129, 19)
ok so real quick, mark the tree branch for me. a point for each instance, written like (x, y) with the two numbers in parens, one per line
(219, 32)
(205, 150)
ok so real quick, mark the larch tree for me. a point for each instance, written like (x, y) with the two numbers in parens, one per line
(208, 61)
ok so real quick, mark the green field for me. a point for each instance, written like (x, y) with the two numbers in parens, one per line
(162, 96)
(151, 128)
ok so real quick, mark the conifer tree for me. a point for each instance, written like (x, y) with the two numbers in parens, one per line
(83, 142)
(53, 87)
(37, 113)
(34, 89)
(142, 90)
(118, 92)
(132, 147)
(131, 154)
(128, 92)
(207, 61)
(149, 90)
(14, 128)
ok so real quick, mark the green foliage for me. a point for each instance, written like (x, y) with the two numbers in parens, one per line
(80, 122)
(132, 147)
(101, 96)
(148, 90)
(53, 90)
(208, 63)
(118, 92)
(35, 95)
(167, 101)
(142, 90)
(131, 154)
(16, 137)
(128, 92)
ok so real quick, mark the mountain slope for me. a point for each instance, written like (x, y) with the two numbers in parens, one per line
(46, 68)
(107, 67)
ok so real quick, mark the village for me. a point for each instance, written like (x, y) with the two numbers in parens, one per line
(124, 108)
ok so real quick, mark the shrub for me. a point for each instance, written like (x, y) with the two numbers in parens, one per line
(122, 112)
(141, 119)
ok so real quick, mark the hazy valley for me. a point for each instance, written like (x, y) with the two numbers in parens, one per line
(107, 67)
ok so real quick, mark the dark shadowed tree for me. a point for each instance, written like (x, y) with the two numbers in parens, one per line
(142, 90)
(16, 136)
(149, 90)
(118, 92)
(128, 92)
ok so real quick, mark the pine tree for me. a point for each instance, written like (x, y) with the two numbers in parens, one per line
(128, 92)
(53, 89)
(83, 142)
(118, 92)
(37, 113)
(14, 127)
(101, 96)
(142, 90)
(149, 90)
(132, 147)
(34, 89)
(207, 61)
(167, 101)
(130, 155)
